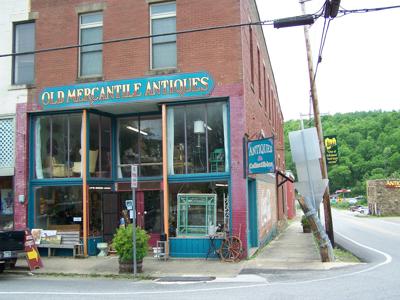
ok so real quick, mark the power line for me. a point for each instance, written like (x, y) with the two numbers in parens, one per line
(135, 38)
(345, 12)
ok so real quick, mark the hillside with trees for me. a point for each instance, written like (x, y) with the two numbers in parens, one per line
(368, 143)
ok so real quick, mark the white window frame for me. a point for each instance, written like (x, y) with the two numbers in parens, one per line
(159, 16)
(86, 26)
(14, 59)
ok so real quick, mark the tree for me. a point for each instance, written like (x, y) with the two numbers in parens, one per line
(368, 145)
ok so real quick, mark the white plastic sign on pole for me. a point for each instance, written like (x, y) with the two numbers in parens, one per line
(134, 176)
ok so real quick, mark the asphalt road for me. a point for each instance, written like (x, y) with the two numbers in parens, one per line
(376, 241)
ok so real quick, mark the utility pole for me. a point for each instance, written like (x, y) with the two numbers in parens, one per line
(317, 121)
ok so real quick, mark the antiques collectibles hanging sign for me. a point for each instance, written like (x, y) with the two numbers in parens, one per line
(261, 156)
(127, 90)
(331, 149)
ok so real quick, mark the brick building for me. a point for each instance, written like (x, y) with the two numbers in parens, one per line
(182, 107)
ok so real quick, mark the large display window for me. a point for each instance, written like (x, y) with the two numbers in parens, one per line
(58, 205)
(197, 138)
(100, 146)
(140, 142)
(58, 146)
(198, 209)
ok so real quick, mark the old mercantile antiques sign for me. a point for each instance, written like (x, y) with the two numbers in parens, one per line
(128, 90)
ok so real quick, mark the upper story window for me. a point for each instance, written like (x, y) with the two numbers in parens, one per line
(23, 65)
(140, 142)
(91, 57)
(163, 48)
(58, 146)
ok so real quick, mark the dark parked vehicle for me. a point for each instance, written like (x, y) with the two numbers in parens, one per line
(11, 242)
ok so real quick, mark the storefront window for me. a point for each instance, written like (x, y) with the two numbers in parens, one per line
(57, 146)
(140, 142)
(6, 204)
(178, 160)
(58, 206)
(198, 209)
(100, 146)
(150, 147)
(196, 131)
(197, 138)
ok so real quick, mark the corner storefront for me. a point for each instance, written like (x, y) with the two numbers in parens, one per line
(84, 137)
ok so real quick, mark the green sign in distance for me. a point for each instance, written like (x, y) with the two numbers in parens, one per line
(331, 149)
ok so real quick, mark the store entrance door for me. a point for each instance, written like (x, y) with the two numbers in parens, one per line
(110, 215)
(149, 214)
(152, 215)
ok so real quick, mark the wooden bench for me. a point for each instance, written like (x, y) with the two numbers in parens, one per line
(69, 240)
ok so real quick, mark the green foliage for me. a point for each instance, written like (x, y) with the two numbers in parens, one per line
(304, 221)
(122, 243)
(341, 205)
(368, 144)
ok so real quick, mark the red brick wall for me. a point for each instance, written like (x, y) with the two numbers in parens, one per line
(21, 167)
(217, 52)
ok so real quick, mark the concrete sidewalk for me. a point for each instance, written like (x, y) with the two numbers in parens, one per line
(291, 250)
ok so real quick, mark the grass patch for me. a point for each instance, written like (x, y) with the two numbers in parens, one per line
(342, 255)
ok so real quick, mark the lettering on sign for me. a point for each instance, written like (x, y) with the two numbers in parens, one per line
(128, 90)
(261, 156)
(331, 149)
(393, 184)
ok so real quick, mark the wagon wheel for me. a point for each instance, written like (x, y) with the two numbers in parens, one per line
(231, 249)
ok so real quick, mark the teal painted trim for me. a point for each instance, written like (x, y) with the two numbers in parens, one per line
(228, 117)
(57, 182)
(196, 101)
(100, 182)
(193, 247)
(140, 179)
(114, 147)
(252, 222)
(200, 177)
(31, 207)
(60, 112)
(228, 109)
(31, 147)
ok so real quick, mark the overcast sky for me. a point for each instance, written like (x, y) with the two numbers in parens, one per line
(360, 64)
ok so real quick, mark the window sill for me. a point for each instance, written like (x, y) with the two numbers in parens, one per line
(15, 87)
(165, 71)
(89, 79)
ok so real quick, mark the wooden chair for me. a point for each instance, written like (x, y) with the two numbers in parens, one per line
(77, 166)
